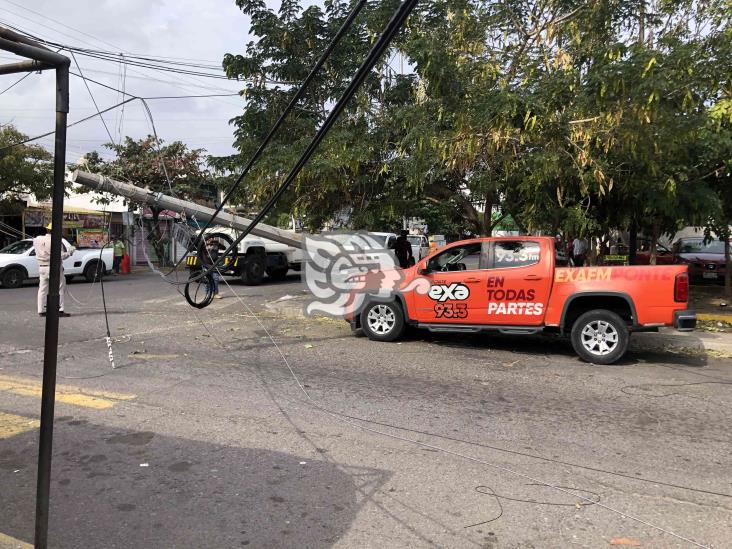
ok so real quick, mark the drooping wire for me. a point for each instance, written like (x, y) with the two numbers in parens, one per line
(381, 44)
(104, 122)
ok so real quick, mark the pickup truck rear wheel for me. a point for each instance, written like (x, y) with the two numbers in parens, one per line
(94, 271)
(13, 278)
(600, 337)
(382, 321)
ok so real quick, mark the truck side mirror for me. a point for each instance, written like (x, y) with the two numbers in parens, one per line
(424, 270)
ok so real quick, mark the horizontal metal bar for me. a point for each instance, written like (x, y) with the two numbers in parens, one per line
(24, 66)
(34, 52)
(16, 37)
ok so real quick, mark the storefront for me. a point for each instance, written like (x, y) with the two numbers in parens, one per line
(84, 228)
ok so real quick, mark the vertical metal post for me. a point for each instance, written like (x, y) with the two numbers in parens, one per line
(50, 350)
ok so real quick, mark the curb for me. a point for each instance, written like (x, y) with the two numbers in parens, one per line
(714, 317)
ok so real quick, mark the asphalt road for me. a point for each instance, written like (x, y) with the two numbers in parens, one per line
(204, 437)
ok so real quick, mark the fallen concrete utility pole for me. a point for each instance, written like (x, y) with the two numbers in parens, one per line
(190, 209)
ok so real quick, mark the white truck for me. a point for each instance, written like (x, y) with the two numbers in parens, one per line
(18, 263)
(420, 246)
(255, 257)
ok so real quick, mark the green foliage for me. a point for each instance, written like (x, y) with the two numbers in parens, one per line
(565, 115)
(171, 169)
(24, 169)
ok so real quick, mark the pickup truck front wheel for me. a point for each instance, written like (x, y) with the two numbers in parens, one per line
(600, 337)
(382, 321)
(94, 271)
(13, 278)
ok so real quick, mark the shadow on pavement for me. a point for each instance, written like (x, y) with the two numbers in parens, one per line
(561, 347)
(116, 488)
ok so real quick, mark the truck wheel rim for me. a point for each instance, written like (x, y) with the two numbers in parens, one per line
(599, 337)
(381, 319)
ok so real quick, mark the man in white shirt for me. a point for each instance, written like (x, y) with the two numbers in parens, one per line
(42, 247)
(579, 251)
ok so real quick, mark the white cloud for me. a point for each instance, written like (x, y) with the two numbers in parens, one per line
(173, 28)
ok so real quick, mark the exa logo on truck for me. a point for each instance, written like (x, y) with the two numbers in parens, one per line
(442, 292)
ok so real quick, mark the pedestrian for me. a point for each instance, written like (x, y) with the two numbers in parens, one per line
(42, 249)
(211, 256)
(579, 251)
(119, 253)
(403, 251)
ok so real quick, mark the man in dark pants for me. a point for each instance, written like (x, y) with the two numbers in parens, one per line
(403, 251)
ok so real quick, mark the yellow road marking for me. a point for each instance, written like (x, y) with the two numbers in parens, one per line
(7, 542)
(11, 425)
(77, 396)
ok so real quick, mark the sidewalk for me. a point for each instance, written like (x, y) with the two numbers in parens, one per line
(667, 339)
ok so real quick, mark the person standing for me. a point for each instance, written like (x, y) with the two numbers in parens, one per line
(119, 253)
(403, 251)
(211, 253)
(42, 248)
(579, 251)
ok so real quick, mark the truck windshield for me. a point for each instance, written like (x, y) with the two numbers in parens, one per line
(698, 246)
(17, 247)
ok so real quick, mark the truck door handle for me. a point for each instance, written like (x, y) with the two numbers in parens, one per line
(472, 280)
(532, 277)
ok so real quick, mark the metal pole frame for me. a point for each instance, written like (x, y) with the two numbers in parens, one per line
(42, 58)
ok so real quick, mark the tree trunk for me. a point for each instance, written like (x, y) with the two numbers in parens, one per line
(632, 243)
(728, 268)
(486, 228)
(642, 24)
(654, 242)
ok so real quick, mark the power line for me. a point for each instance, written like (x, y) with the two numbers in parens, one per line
(11, 86)
(57, 22)
(146, 75)
(149, 98)
(111, 139)
(24, 141)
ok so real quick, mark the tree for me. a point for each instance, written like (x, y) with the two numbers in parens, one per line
(172, 169)
(24, 169)
(563, 114)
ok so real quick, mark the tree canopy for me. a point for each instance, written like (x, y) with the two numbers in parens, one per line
(24, 169)
(564, 114)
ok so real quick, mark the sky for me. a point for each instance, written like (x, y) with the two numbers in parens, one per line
(181, 29)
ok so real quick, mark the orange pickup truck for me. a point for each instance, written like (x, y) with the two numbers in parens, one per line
(511, 285)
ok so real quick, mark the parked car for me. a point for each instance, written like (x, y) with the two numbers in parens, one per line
(18, 263)
(704, 258)
(664, 255)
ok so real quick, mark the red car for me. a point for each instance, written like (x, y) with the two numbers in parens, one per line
(664, 256)
(705, 259)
